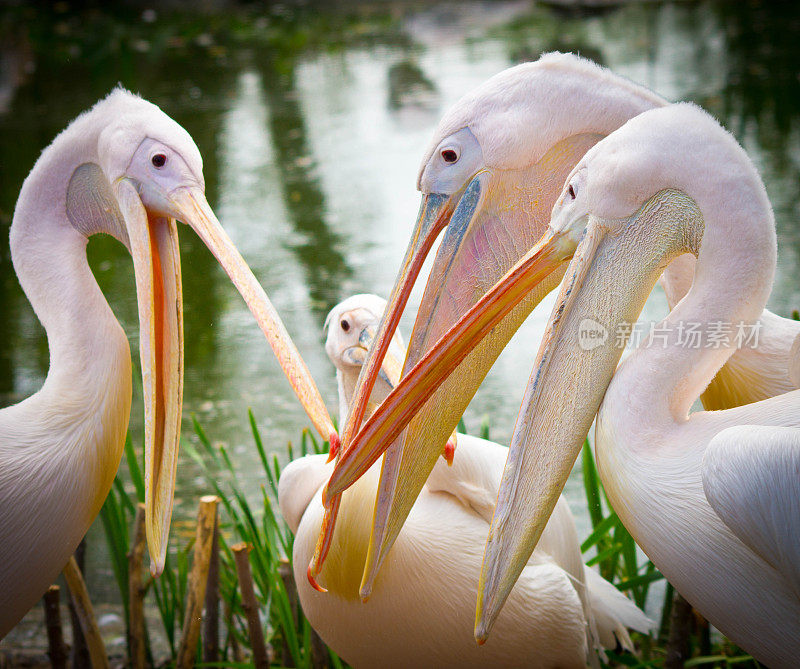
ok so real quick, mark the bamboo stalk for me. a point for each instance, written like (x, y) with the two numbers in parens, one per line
(196, 590)
(287, 576)
(55, 637)
(211, 621)
(319, 650)
(85, 613)
(136, 590)
(79, 655)
(250, 605)
(678, 650)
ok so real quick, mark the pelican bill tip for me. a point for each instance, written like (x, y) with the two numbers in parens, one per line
(365, 592)
(335, 444)
(157, 567)
(481, 632)
(313, 581)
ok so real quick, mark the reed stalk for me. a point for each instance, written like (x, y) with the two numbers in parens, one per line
(211, 620)
(241, 552)
(85, 613)
(55, 636)
(198, 578)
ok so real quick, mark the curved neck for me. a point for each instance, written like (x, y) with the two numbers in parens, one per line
(49, 257)
(729, 284)
(89, 376)
(347, 386)
(677, 278)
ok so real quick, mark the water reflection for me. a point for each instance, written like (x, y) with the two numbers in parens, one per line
(317, 246)
(312, 123)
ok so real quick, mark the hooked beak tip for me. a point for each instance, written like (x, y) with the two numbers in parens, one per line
(449, 453)
(365, 592)
(336, 444)
(157, 568)
(312, 580)
(481, 632)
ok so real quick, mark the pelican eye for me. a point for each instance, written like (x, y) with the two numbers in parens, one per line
(571, 191)
(345, 325)
(159, 160)
(449, 156)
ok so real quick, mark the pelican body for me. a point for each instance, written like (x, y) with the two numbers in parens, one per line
(420, 610)
(126, 169)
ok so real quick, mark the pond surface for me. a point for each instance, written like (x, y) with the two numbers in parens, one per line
(312, 123)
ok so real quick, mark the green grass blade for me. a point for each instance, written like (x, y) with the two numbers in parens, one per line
(257, 439)
(600, 531)
(591, 485)
(135, 470)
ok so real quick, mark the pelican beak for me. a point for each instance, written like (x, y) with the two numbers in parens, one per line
(390, 373)
(192, 208)
(577, 359)
(391, 366)
(499, 217)
(156, 259)
(434, 215)
(156, 265)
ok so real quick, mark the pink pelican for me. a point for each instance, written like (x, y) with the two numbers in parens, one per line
(712, 497)
(126, 169)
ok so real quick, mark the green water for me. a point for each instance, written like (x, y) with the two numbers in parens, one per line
(311, 123)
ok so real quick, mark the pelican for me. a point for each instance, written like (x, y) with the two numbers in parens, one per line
(419, 614)
(126, 169)
(491, 176)
(712, 497)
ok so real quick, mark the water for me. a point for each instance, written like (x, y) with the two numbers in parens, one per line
(312, 124)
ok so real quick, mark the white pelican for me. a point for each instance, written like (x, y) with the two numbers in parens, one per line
(498, 161)
(712, 497)
(126, 169)
(424, 600)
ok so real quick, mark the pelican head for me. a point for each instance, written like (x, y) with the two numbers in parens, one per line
(142, 174)
(351, 327)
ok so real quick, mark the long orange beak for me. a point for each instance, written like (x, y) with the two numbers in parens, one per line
(156, 259)
(196, 213)
(433, 217)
